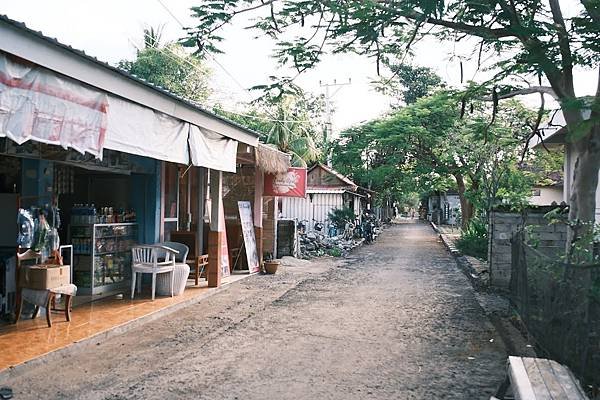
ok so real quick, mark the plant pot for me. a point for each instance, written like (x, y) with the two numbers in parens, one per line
(271, 266)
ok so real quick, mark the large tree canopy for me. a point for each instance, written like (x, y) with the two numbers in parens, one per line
(533, 39)
(171, 67)
(428, 146)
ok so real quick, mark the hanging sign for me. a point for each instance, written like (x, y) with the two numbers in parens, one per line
(225, 272)
(289, 184)
(249, 239)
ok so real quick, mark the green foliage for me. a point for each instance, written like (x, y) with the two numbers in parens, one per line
(474, 241)
(529, 40)
(410, 83)
(427, 146)
(170, 67)
(334, 252)
(340, 216)
(527, 33)
(407, 200)
(287, 119)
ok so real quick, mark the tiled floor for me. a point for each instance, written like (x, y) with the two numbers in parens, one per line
(30, 339)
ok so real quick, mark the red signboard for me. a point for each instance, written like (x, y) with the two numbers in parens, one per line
(290, 184)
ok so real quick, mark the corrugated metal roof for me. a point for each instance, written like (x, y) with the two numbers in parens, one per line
(80, 53)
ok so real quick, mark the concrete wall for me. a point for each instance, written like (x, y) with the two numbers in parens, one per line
(550, 238)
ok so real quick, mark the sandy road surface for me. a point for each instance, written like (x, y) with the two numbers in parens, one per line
(396, 320)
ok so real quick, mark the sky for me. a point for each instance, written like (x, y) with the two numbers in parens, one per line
(109, 30)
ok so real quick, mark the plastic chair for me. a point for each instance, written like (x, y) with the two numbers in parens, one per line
(145, 261)
(181, 271)
(182, 249)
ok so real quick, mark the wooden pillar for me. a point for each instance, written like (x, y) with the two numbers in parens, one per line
(216, 227)
(258, 212)
(202, 185)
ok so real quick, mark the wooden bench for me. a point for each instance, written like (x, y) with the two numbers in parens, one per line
(539, 379)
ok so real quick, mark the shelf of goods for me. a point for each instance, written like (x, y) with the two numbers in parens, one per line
(102, 262)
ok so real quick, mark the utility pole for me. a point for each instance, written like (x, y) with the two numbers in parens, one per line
(328, 109)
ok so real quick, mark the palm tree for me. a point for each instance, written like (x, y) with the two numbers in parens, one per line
(292, 133)
(153, 37)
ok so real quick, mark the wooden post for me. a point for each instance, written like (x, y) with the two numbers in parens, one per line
(258, 212)
(202, 184)
(216, 227)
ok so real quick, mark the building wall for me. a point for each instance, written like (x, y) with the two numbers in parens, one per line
(269, 225)
(317, 209)
(547, 196)
(453, 204)
(319, 177)
(552, 239)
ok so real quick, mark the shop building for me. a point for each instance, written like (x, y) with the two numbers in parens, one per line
(118, 160)
(327, 190)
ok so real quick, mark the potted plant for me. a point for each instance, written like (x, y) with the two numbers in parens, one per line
(270, 265)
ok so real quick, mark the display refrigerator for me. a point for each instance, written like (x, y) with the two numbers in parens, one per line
(102, 262)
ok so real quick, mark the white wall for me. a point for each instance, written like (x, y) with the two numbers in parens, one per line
(318, 209)
(547, 196)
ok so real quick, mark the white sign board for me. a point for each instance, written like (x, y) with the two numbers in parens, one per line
(249, 239)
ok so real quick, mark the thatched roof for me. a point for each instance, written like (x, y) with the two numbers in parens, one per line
(270, 160)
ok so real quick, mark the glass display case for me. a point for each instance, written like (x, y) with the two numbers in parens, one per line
(102, 264)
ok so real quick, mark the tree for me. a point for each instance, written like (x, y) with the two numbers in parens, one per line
(287, 119)
(421, 146)
(531, 38)
(409, 83)
(170, 66)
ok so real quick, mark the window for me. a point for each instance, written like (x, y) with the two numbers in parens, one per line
(170, 212)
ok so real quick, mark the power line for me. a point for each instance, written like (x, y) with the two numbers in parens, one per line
(222, 67)
(284, 126)
(179, 59)
(207, 53)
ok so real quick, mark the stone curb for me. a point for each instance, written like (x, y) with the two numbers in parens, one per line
(56, 355)
(465, 265)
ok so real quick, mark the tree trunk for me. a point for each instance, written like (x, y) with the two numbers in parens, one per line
(582, 204)
(466, 207)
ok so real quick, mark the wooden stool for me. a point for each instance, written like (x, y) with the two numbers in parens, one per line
(199, 266)
(47, 299)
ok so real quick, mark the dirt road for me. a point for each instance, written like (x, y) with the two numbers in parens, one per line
(396, 320)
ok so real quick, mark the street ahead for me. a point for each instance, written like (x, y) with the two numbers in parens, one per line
(395, 320)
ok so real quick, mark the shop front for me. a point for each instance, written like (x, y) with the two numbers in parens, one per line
(93, 162)
(94, 211)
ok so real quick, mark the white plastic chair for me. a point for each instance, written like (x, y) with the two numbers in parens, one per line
(145, 261)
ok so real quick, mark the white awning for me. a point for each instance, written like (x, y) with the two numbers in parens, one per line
(212, 150)
(41, 105)
(140, 130)
(37, 104)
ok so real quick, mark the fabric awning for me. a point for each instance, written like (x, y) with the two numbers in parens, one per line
(212, 150)
(40, 105)
(140, 130)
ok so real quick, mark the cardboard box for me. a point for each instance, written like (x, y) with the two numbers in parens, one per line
(44, 276)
